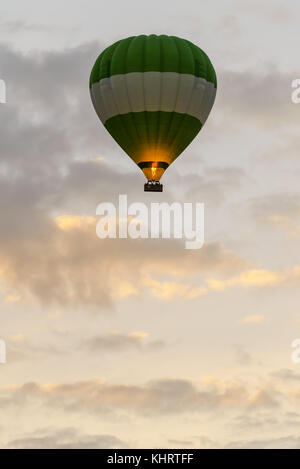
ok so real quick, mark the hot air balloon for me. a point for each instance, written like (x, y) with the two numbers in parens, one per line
(153, 94)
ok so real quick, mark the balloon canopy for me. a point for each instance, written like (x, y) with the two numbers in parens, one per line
(153, 94)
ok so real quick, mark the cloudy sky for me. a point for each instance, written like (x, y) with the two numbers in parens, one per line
(142, 343)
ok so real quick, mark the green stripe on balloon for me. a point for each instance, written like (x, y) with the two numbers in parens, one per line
(135, 131)
(153, 53)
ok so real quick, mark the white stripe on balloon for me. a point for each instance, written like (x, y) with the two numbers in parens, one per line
(153, 91)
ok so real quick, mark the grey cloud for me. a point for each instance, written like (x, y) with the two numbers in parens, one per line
(272, 12)
(120, 341)
(285, 442)
(243, 357)
(286, 204)
(257, 98)
(180, 443)
(213, 185)
(14, 27)
(64, 438)
(206, 442)
(255, 421)
(229, 25)
(169, 396)
(26, 351)
(286, 374)
(48, 118)
(110, 342)
(75, 267)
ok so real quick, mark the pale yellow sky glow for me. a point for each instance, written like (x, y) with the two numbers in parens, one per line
(124, 343)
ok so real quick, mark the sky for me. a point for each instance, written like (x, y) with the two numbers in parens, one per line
(122, 343)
